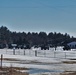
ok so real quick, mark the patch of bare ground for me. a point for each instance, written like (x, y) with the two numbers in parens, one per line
(9, 59)
(69, 73)
(72, 59)
(69, 62)
(12, 71)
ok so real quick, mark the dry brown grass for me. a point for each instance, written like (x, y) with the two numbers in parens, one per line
(12, 71)
(69, 62)
(69, 73)
(9, 59)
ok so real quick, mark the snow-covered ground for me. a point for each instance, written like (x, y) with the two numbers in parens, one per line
(46, 61)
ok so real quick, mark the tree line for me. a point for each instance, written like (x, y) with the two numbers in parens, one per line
(42, 38)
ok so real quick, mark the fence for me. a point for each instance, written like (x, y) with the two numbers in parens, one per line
(40, 53)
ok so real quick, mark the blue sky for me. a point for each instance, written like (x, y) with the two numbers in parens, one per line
(39, 15)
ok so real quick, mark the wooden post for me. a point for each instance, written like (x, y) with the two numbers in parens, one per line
(24, 51)
(65, 55)
(44, 53)
(54, 54)
(14, 51)
(1, 60)
(35, 53)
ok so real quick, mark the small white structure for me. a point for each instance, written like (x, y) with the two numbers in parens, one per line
(72, 45)
(14, 45)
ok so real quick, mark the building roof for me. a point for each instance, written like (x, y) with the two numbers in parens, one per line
(71, 43)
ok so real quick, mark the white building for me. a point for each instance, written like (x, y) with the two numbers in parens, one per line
(72, 45)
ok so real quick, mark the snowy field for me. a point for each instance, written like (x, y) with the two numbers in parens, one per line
(40, 62)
